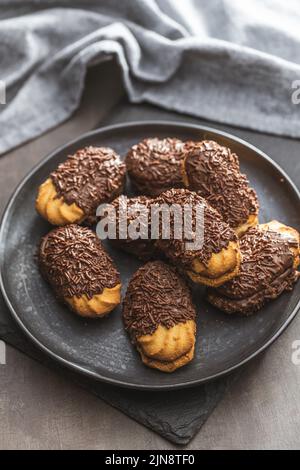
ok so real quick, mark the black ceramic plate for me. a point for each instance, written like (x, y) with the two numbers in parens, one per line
(100, 348)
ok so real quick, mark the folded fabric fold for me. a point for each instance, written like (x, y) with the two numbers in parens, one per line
(217, 60)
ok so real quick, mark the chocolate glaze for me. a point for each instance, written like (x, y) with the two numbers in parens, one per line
(144, 249)
(155, 165)
(266, 271)
(91, 176)
(217, 233)
(73, 261)
(213, 171)
(156, 295)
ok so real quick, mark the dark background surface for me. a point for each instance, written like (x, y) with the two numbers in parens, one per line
(260, 411)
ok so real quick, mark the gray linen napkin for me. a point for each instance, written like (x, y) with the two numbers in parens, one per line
(225, 60)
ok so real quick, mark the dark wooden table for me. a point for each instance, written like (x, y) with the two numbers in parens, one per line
(41, 410)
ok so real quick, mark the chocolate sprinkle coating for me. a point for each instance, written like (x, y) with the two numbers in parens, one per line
(266, 271)
(73, 260)
(155, 165)
(91, 176)
(216, 233)
(213, 171)
(156, 295)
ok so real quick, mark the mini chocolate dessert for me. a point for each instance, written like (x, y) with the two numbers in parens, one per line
(155, 165)
(217, 259)
(267, 270)
(72, 193)
(213, 171)
(143, 247)
(159, 315)
(289, 234)
(73, 261)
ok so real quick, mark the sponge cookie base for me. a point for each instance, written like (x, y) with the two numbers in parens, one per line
(167, 349)
(54, 208)
(198, 279)
(168, 366)
(222, 267)
(99, 305)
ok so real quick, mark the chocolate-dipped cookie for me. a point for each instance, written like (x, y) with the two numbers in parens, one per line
(290, 235)
(74, 262)
(213, 171)
(155, 165)
(267, 270)
(218, 258)
(142, 247)
(72, 193)
(159, 315)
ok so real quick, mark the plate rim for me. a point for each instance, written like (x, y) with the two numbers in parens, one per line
(81, 369)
